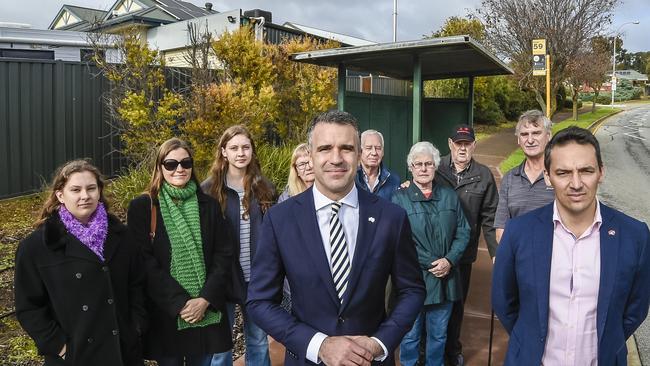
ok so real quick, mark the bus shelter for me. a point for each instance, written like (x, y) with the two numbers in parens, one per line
(404, 120)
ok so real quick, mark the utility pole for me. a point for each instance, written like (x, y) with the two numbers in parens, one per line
(394, 20)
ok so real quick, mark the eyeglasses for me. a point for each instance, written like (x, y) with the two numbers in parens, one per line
(171, 164)
(419, 165)
(303, 165)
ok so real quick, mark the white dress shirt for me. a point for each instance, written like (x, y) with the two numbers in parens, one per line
(349, 217)
(573, 295)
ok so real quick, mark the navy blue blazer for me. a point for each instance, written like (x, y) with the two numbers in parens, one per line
(290, 245)
(521, 280)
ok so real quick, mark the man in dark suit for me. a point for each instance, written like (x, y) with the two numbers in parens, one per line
(336, 245)
(572, 279)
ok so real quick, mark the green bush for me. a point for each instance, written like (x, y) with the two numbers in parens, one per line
(604, 98)
(130, 184)
(568, 103)
(495, 97)
(275, 162)
(586, 97)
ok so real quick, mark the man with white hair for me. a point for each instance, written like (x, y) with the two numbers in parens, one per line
(523, 188)
(372, 175)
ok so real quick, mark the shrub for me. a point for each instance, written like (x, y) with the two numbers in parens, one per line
(568, 103)
(130, 184)
(275, 162)
(604, 98)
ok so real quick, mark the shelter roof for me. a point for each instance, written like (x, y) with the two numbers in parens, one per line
(441, 58)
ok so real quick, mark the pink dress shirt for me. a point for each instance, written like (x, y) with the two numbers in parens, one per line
(573, 296)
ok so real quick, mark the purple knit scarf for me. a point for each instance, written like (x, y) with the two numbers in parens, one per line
(92, 235)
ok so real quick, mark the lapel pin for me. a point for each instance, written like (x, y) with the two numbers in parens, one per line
(611, 232)
(371, 219)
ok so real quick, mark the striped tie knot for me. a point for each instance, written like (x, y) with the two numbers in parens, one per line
(336, 206)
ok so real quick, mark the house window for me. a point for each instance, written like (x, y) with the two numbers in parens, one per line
(127, 6)
(28, 54)
(66, 19)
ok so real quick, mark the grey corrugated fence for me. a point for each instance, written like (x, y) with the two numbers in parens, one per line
(50, 112)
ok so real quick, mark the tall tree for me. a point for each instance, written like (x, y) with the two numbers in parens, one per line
(567, 25)
(455, 26)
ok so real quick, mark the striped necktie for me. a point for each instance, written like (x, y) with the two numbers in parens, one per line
(339, 248)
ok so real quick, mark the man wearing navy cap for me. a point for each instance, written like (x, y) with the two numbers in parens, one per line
(479, 197)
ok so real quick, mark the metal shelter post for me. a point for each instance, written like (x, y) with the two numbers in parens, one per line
(341, 92)
(417, 98)
(470, 102)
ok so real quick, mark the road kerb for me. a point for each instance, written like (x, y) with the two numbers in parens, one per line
(597, 123)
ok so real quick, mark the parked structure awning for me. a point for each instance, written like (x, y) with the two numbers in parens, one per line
(441, 58)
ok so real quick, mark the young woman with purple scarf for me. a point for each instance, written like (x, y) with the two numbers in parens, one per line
(78, 282)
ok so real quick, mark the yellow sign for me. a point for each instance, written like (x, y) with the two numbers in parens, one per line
(539, 46)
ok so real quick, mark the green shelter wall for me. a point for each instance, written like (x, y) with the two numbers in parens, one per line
(393, 117)
(390, 115)
(439, 116)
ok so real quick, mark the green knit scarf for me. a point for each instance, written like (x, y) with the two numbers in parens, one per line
(180, 213)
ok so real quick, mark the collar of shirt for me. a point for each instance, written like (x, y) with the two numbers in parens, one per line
(365, 178)
(598, 220)
(462, 172)
(321, 201)
(348, 215)
(521, 171)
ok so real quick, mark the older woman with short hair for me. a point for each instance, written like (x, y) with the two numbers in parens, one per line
(440, 232)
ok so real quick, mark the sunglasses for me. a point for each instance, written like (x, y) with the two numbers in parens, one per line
(171, 164)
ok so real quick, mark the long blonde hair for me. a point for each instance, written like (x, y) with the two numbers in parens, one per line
(60, 179)
(295, 184)
(157, 177)
(255, 185)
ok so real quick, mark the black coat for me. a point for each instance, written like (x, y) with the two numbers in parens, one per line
(479, 197)
(238, 287)
(66, 295)
(166, 297)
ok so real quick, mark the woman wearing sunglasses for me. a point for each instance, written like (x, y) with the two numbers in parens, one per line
(187, 253)
(236, 181)
(78, 284)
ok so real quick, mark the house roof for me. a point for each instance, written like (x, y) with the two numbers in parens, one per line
(631, 75)
(176, 9)
(86, 16)
(183, 10)
(339, 37)
(440, 58)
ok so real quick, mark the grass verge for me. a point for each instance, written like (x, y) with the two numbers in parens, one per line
(584, 120)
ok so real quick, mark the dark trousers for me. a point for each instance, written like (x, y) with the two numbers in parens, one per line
(453, 346)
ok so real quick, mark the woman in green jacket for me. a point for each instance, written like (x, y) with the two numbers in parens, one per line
(440, 232)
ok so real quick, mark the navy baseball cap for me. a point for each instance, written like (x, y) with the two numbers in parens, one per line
(463, 133)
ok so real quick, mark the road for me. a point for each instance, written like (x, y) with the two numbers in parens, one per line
(625, 147)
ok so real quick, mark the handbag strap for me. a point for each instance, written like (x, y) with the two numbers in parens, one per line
(152, 229)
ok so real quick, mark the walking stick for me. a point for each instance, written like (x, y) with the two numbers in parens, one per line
(491, 336)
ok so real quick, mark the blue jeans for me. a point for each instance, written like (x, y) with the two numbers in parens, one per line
(202, 360)
(434, 318)
(257, 345)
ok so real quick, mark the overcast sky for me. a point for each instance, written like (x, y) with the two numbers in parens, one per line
(369, 19)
